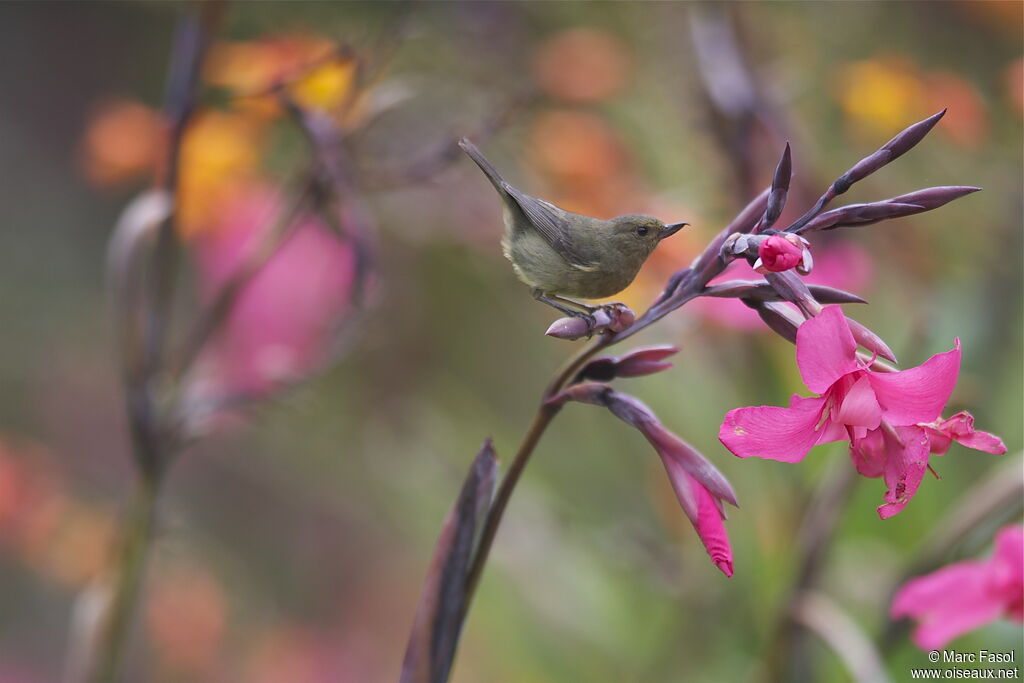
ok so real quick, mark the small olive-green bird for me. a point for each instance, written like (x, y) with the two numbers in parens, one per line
(561, 254)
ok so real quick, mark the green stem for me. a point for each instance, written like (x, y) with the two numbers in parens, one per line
(138, 534)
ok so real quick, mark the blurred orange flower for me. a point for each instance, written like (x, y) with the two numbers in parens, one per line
(124, 141)
(584, 161)
(582, 65)
(966, 122)
(186, 616)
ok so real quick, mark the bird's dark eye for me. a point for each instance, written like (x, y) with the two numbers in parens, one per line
(642, 230)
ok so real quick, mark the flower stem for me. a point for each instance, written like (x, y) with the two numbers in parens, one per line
(121, 608)
(545, 414)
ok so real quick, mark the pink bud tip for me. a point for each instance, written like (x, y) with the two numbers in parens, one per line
(725, 565)
(778, 254)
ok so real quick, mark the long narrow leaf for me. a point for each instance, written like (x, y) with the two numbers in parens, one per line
(438, 622)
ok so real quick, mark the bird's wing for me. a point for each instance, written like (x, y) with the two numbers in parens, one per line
(552, 226)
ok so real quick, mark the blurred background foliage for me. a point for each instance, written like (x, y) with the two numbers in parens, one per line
(293, 541)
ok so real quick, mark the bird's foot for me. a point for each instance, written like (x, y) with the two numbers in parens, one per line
(601, 318)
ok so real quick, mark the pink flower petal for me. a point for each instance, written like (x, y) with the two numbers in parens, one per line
(778, 254)
(918, 394)
(947, 603)
(784, 434)
(859, 406)
(960, 428)
(905, 466)
(283, 323)
(869, 454)
(825, 349)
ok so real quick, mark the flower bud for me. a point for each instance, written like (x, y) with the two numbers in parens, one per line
(569, 328)
(779, 253)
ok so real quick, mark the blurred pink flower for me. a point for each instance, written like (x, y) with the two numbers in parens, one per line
(966, 595)
(283, 323)
(889, 418)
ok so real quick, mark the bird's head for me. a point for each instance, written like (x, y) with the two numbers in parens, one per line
(639, 235)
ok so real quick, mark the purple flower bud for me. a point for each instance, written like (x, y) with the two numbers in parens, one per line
(890, 151)
(643, 361)
(574, 327)
(791, 288)
(779, 190)
(568, 328)
(861, 214)
(934, 197)
(646, 361)
(781, 319)
(870, 341)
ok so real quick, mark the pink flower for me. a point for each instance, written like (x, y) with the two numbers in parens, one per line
(778, 254)
(964, 596)
(285, 320)
(890, 419)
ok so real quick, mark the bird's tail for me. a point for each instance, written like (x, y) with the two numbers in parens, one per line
(487, 167)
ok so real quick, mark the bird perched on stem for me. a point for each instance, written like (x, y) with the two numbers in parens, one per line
(563, 256)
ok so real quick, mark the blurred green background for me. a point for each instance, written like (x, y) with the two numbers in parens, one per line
(294, 541)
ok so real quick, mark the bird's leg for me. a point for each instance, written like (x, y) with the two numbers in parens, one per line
(613, 307)
(565, 305)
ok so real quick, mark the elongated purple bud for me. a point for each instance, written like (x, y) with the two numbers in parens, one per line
(870, 341)
(904, 141)
(791, 288)
(779, 190)
(646, 361)
(861, 214)
(779, 318)
(643, 361)
(934, 197)
(891, 150)
(760, 290)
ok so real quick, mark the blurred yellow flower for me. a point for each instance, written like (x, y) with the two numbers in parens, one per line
(326, 87)
(220, 152)
(879, 96)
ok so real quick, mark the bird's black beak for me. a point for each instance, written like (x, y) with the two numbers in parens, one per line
(670, 230)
